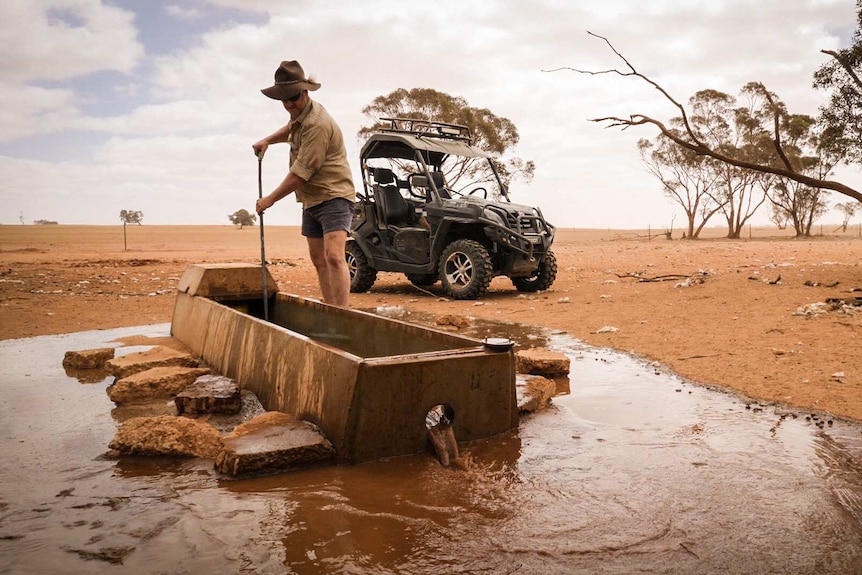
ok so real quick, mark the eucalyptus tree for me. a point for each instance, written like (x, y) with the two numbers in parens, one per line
(848, 209)
(811, 151)
(778, 164)
(687, 180)
(842, 77)
(494, 134)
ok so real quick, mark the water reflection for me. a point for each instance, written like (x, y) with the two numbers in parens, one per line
(629, 470)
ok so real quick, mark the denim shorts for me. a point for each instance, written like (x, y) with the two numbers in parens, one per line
(330, 216)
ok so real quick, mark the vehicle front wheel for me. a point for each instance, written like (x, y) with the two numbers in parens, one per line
(544, 277)
(362, 275)
(465, 269)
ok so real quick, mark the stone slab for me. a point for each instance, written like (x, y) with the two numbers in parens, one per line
(273, 442)
(534, 392)
(167, 435)
(541, 361)
(157, 356)
(88, 358)
(154, 383)
(209, 394)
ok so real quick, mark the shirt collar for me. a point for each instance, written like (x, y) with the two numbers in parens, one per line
(305, 112)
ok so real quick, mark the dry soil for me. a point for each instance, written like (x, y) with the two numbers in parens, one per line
(749, 315)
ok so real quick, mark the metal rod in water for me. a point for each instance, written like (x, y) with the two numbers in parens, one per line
(262, 248)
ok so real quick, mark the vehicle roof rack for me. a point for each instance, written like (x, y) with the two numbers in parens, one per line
(419, 127)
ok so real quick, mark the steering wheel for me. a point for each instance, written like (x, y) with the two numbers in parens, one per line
(483, 190)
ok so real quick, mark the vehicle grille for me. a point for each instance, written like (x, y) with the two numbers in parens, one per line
(522, 224)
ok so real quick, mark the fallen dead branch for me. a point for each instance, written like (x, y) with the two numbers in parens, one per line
(698, 356)
(662, 278)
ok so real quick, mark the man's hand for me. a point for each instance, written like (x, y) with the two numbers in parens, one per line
(263, 203)
(260, 148)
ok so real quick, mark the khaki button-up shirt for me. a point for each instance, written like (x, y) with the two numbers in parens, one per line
(318, 156)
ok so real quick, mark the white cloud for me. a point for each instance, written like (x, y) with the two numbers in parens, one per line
(30, 110)
(182, 12)
(51, 40)
(184, 155)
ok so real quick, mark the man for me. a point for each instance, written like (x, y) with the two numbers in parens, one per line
(319, 175)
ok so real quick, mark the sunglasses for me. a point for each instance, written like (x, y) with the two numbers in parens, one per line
(294, 98)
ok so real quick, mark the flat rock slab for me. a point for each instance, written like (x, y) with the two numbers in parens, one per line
(226, 423)
(534, 392)
(541, 361)
(88, 358)
(273, 442)
(157, 356)
(154, 383)
(209, 394)
(167, 435)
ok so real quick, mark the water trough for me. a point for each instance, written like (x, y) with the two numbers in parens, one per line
(368, 382)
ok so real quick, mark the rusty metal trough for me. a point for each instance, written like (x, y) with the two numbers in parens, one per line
(366, 381)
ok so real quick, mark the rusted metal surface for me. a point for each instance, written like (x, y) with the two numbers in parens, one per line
(367, 381)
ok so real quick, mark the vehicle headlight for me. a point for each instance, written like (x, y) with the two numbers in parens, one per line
(495, 217)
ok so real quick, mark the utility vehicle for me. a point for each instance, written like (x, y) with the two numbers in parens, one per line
(409, 220)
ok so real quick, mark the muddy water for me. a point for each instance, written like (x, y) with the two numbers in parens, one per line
(631, 470)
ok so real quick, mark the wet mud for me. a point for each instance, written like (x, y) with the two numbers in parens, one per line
(630, 469)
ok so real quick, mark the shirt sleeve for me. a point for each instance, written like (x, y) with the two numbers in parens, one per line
(312, 152)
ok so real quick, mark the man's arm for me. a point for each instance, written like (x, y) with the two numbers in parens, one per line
(278, 137)
(288, 185)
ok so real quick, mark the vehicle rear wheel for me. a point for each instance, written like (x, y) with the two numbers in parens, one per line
(422, 280)
(465, 269)
(544, 277)
(362, 275)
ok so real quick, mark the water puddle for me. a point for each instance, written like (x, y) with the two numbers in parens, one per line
(631, 470)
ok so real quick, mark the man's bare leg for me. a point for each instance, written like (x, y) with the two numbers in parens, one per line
(333, 275)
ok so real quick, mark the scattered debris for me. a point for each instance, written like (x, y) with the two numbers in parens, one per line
(812, 309)
(849, 306)
(452, 320)
(845, 301)
(756, 277)
(699, 356)
(665, 278)
(810, 283)
(391, 311)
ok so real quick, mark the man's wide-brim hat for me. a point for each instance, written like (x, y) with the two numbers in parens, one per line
(290, 80)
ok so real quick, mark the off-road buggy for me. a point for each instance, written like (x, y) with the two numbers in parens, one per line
(409, 220)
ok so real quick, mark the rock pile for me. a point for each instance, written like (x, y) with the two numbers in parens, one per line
(215, 418)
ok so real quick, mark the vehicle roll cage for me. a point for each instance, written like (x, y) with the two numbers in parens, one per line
(428, 143)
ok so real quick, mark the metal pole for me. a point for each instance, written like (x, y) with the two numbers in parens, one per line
(262, 249)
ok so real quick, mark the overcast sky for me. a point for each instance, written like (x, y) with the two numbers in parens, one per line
(153, 106)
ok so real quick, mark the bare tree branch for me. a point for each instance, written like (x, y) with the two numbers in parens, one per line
(776, 141)
(695, 145)
(845, 65)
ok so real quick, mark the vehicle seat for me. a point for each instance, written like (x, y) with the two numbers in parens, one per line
(395, 210)
(440, 184)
